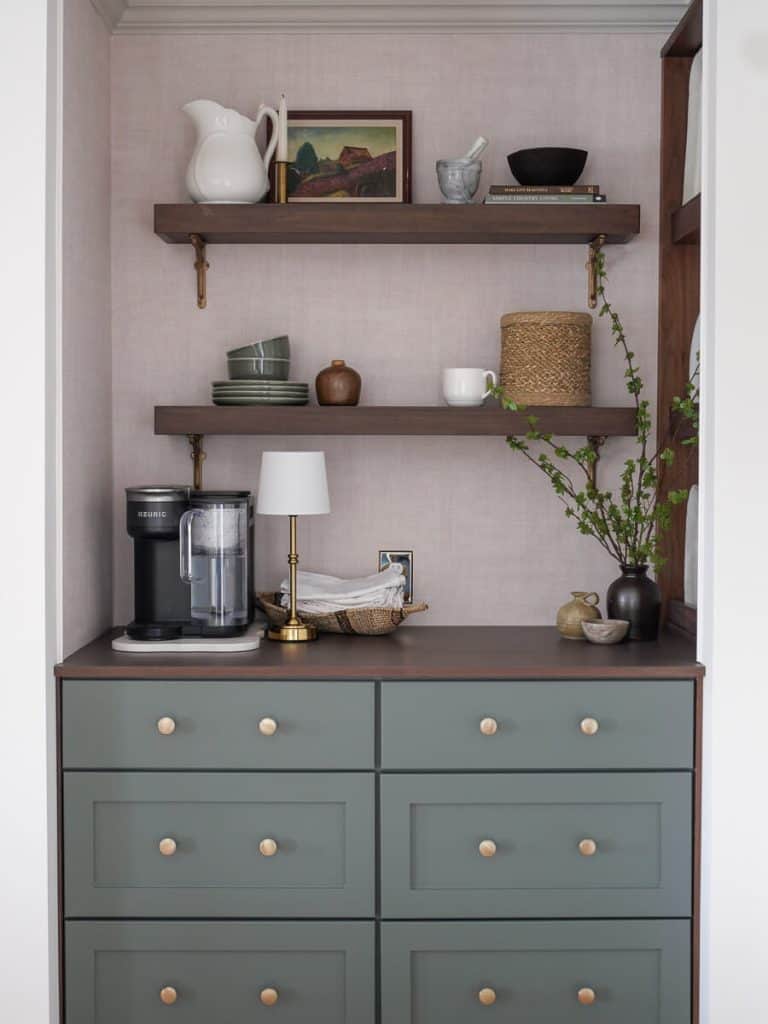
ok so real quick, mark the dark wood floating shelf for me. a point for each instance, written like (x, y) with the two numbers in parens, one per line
(686, 223)
(387, 223)
(390, 420)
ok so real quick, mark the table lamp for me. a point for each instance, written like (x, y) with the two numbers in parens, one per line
(293, 484)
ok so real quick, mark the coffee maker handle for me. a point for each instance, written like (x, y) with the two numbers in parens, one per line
(185, 544)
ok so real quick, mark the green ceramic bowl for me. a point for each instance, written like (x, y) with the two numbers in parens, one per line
(271, 348)
(258, 368)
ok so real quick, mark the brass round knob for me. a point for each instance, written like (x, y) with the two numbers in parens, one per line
(267, 727)
(486, 996)
(587, 847)
(487, 848)
(489, 727)
(167, 846)
(586, 996)
(168, 995)
(268, 847)
(589, 726)
(269, 996)
(166, 726)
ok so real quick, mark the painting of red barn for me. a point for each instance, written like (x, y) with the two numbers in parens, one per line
(349, 156)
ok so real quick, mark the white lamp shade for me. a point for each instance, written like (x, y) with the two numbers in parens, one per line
(293, 484)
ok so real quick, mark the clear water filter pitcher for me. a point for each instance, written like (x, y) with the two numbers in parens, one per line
(213, 556)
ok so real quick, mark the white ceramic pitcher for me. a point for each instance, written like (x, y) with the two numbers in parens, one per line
(226, 166)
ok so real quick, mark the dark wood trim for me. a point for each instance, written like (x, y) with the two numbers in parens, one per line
(686, 223)
(681, 616)
(679, 286)
(385, 420)
(395, 223)
(687, 38)
(423, 652)
(680, 427)
(406, 116)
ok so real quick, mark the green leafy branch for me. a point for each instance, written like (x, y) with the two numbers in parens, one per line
(630, 521)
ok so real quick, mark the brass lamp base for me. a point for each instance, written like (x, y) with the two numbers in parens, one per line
(292, 634)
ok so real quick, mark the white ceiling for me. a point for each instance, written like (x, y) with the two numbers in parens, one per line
(147, 16)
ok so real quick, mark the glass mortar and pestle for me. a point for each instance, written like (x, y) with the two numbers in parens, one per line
(459, 179)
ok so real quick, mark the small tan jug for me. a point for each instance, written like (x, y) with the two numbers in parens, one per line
(583, 608)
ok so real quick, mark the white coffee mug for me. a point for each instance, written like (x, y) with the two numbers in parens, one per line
(466, 385)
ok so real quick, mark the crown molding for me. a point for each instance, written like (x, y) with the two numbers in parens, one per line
(218, 16)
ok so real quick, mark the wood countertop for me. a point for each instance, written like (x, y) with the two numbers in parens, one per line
(426, 652)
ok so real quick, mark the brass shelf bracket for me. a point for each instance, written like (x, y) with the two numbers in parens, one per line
(198, 458)
(594, 249)
(202, 266)
(595, 442)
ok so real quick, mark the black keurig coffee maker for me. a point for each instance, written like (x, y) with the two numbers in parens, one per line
(192, 553)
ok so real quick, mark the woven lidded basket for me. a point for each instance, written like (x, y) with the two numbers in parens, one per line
(359, 621)
(546, 358)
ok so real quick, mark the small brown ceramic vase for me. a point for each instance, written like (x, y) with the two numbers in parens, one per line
(338, 384)
(583, 608)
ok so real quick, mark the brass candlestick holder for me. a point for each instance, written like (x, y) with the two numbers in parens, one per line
(293, 630)
(280, 187)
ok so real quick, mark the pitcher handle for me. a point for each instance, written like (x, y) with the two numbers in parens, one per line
(185, 544)
(492, 375)
(270, 150)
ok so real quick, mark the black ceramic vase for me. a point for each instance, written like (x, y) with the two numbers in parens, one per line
(638, 599)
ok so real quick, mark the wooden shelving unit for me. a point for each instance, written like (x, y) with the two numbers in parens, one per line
(390, 420)
(401, 224)
(195, 421)
(199, 225)
(679, 296)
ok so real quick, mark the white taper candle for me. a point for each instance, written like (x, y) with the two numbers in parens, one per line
(282, 140)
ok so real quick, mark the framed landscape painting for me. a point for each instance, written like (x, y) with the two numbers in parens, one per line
(349, 156)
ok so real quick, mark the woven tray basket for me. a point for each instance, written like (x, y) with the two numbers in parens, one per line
(357, 621)
(546, 358)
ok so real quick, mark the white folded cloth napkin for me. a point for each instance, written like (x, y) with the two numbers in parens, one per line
(319, 593)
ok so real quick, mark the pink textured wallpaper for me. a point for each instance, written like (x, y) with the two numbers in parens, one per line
(490, 541)
(86, 324)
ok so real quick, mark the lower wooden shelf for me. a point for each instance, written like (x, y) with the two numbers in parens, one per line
(391, 420)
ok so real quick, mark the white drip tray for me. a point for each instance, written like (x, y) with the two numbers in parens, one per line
(249, 641)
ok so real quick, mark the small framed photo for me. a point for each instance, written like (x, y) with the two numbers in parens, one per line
(404, 558)
(342, 156)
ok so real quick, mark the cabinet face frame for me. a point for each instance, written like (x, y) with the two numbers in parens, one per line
(696, 675)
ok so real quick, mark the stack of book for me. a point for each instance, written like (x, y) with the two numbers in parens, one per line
(565, 194)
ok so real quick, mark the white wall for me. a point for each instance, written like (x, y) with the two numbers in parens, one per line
(734, 507)
(86, 328)
(28, 506)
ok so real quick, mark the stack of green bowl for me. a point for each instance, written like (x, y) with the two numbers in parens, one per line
(258, 375)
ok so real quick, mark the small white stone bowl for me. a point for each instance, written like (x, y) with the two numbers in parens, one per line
(605, 631)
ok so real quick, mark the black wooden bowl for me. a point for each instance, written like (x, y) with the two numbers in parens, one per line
(547, 166)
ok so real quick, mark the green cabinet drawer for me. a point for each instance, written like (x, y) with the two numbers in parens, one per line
(522, 845)
(210, 724)
(193, 845)
(533, 972)
(219, 973)
(537, 726)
